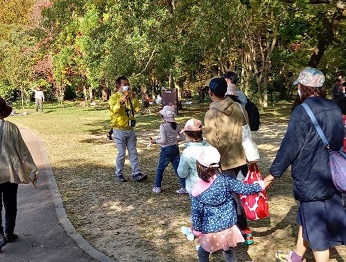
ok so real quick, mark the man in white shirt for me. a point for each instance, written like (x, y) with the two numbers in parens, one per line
(39, 99)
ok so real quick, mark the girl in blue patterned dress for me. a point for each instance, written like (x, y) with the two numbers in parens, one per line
(214, 215)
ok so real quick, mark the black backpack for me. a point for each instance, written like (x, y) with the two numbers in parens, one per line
(254, 116)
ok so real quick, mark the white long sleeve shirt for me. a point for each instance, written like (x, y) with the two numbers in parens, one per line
(39, 95)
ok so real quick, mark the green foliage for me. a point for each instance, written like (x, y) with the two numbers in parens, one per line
(16, 60)
(169, 43)
(6, 91)
(17, 11)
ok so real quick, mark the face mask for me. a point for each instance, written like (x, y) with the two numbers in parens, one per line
(125, 89)
(300, 93)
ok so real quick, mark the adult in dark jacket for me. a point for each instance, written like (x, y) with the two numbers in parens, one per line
(321, 216)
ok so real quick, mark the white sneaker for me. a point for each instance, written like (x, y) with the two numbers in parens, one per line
(157, 190)
(181, 191)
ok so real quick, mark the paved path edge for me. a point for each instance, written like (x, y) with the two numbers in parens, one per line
(62, 215)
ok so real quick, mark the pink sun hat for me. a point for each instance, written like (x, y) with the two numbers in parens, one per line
(192, 124)
(168, 113)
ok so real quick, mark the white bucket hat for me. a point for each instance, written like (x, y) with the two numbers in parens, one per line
(209, 157)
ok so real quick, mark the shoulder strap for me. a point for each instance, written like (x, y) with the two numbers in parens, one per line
(316, 124)
(132, 111)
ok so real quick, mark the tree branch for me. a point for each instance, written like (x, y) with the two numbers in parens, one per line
(151, 57)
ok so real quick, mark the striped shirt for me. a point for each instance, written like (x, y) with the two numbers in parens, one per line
(169, 136)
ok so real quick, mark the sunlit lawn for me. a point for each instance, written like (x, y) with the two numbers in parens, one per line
(127, 221)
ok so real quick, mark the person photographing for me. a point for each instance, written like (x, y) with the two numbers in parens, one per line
(123, 106)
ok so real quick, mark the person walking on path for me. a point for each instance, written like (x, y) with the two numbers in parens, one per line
(213, 208)
(321, 215)
(223, 129)
(44, 230)
(232, 90)
(187, 166)
(338, 88)
(170, 136)
(123, 106)
(16, 164)
(237, 96)
(39, 99)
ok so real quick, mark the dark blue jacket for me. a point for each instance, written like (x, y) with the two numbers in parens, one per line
(303, 149)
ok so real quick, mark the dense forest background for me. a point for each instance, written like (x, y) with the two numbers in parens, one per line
(75, 49)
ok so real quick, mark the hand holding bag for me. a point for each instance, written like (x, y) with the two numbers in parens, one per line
(337, 159)
(256, 205)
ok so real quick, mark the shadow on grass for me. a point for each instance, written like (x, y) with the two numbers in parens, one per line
(139, 223)
(129, 223)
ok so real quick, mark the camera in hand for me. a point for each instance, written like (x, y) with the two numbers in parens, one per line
(132, 122)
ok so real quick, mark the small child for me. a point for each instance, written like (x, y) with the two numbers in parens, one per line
(214, 215)
(187, 166)
(170, 136)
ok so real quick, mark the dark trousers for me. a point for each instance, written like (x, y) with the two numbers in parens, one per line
(229, 255)
(241, 218)
(8, 199)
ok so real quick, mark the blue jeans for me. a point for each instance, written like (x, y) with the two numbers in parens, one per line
(126, 139)
(168, 154)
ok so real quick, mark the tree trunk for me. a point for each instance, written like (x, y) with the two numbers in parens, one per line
(104, 90)
(61, 92)
(91, 96)
(326, 38)
(85, 93)
(22, 96)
